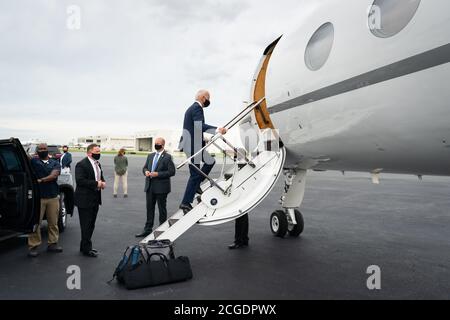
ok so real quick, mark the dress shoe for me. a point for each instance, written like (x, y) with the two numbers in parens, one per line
(95, 250)
(54, 248)
(199, 191)
(91, 254)
(199, 199)
(33, 252)
(237, 246)
(143, 234)
(115, 196)
(125, 196)
(186, 208)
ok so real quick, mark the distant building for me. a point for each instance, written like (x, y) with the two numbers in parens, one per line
(84, 141)
(144, 141)
(140, 142)
(108, 142)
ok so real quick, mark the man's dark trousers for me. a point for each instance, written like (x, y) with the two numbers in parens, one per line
(152, 199)
(195, 180)
(241, 230)
(88, 216)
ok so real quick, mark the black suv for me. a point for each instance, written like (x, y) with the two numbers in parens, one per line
(19, 191)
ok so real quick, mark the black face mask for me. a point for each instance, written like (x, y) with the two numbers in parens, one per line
(43, 154)
(207, 103)
(158, 147)
(96, 156)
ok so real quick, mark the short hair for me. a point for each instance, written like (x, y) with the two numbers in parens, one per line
(65, 147)
(201, 93)
(162, 139)
(91, 147)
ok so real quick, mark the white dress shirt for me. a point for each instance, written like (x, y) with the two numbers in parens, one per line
(94, 166)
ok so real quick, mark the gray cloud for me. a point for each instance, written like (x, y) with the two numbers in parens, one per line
(176, 13)
(133, 65)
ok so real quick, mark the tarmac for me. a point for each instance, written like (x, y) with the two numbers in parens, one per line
(402, 226)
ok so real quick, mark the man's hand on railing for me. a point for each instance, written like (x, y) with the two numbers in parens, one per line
(222, 131)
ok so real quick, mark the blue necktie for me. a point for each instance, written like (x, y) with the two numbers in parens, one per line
(155, 162)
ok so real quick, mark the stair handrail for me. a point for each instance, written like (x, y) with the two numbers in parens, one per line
(243, 113)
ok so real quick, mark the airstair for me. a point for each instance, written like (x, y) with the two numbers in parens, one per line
(239, 188)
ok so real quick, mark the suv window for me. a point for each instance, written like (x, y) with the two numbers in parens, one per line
(9, 160)
(32, 149)
(53, 150)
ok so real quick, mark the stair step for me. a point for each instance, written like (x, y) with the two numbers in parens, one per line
(173, 221)
(158, 233)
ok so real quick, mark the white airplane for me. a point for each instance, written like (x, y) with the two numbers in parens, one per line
(361, 85)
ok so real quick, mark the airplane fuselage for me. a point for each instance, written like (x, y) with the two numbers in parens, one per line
(377, 103)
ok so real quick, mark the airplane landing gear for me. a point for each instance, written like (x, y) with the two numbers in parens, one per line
(296, 230)
(290, 220)
(281, 223)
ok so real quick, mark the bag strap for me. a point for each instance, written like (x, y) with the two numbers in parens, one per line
(164, 259)
(161, 243)
(121, 265)
(148, 253)
(162, 256)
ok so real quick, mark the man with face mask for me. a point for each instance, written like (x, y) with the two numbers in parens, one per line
(88, 196)
(66, 159)
(192, 141)
(158, 169)
(47, 171)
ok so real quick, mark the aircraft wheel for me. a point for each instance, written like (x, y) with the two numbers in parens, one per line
(297, 229)
(279, 223)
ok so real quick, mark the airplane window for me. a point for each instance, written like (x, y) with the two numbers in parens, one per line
(389, 17)
(319, 47)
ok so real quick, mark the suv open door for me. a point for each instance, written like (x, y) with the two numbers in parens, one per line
(19, 192)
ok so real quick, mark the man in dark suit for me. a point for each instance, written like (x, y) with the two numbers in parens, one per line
(66, 158)
(158, 169)
(88, 196)
(192, 141)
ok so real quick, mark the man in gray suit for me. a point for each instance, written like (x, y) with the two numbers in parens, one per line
(158, 169)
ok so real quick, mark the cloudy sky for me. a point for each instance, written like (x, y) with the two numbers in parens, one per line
(132, 65)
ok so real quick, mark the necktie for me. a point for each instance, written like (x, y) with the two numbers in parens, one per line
(97, 170)
(155, 162)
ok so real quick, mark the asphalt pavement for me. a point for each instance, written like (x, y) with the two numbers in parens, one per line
(402, 226)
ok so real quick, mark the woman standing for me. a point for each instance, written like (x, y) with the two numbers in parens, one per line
(121, 172)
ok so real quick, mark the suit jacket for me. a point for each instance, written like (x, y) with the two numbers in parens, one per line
(193, 128)
(87, 194)
(66, 160)
(165, 169)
